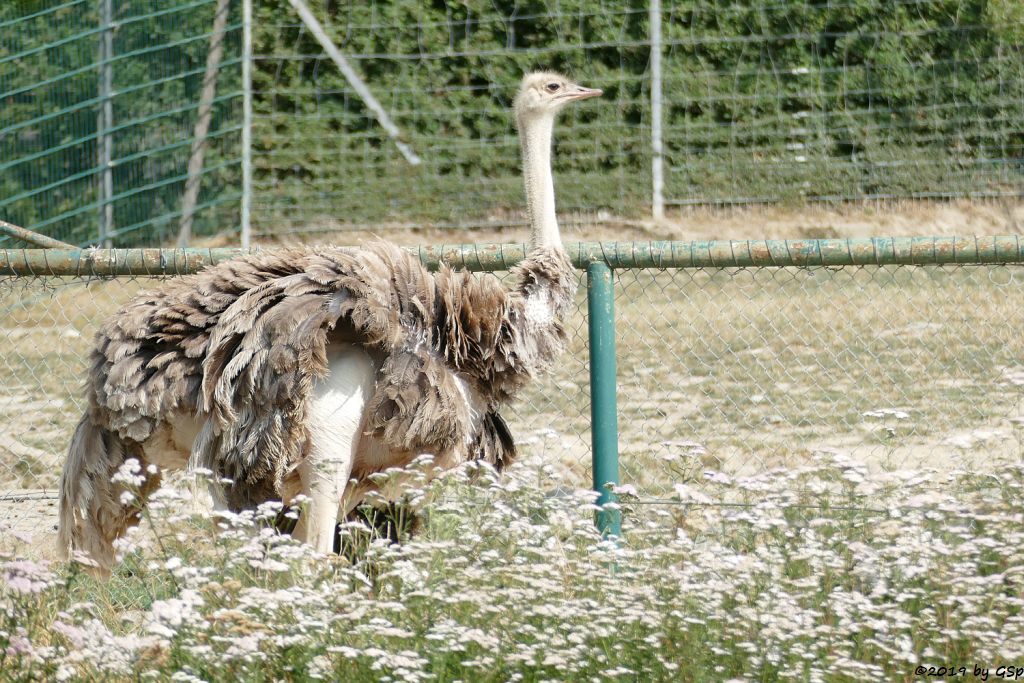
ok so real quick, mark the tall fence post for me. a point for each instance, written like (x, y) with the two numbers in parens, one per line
(246, 217)
(105, 121)
(204, 114)
(657, 151)
(604, 423)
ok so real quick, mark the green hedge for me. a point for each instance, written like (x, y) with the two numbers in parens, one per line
(321, 155)
(49, 99)
(887, 98)
(763, 101)
(769, 101)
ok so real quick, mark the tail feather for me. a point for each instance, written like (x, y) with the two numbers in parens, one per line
(91, 515)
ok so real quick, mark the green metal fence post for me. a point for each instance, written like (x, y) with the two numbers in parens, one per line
(604, 423)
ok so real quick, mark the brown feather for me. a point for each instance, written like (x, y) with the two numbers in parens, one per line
(242, 343)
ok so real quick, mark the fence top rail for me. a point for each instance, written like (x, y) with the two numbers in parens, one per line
(867, 251)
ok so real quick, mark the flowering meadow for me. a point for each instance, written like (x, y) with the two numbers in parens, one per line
(817, 573)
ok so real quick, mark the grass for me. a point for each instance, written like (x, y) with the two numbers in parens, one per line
(765, 367)
(823, 572)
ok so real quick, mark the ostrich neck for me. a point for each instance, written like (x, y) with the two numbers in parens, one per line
(540, 188)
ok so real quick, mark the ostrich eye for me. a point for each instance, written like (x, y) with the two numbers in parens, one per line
(552, 87)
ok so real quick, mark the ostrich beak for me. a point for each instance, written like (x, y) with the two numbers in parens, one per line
(578, 92)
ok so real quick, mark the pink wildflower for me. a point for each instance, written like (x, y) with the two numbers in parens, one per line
(26, 576)
(75, 635)
(18, 644)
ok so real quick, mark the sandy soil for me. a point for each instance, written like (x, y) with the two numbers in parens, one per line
(680, 404)
(991, 217)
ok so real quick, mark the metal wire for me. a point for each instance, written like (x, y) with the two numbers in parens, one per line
(54, 147)
(722, 372)
(746, 358)
(760, 102)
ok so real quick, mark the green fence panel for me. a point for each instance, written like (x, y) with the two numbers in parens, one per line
(55, 175)
(762, 102)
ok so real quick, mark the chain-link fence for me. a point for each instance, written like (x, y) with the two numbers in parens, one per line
(729, 370)
(741, 370)
(760, 102)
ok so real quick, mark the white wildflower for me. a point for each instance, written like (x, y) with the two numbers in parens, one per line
(129, 474)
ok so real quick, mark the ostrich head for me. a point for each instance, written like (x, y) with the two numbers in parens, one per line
(543, 93)
(541, 96)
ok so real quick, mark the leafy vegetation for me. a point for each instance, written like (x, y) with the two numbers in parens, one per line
(772, 101)
(49, 99)
(763, 101)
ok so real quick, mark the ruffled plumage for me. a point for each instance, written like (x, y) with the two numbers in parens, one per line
(242, 343)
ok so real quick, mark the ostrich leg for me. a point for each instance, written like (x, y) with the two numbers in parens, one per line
(336, 419)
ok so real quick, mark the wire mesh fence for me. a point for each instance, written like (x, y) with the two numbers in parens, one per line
(761, 102)
(100, 103)
(774, 101)
(742, 370)
(721, 372)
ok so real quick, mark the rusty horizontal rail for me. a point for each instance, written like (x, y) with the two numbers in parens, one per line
(497, 257)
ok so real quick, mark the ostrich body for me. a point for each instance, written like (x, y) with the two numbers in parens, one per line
(298, 370)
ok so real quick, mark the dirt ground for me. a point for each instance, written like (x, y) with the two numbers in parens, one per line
(890, 218)
(734, 371)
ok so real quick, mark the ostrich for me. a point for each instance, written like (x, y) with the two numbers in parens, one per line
(303, 369)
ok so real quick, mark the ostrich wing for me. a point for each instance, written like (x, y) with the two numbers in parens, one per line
(269, 345)
(242, 343)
